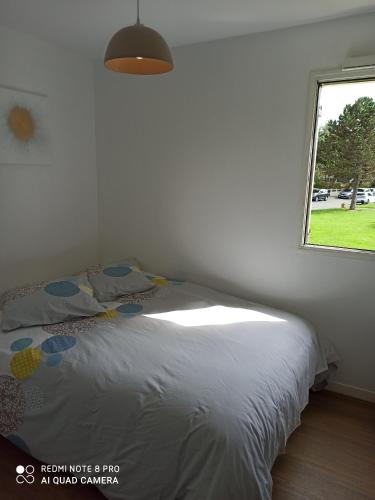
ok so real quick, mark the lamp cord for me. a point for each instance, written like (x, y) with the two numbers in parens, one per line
(138, 20)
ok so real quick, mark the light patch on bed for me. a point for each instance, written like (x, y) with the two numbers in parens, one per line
(216, 315)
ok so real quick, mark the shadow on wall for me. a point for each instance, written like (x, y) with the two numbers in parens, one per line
(75, 259)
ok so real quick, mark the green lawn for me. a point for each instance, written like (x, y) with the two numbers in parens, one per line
(339, 227)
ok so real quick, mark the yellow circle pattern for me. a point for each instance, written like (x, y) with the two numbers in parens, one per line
(24, 363)
(160, 281)
(86, 289)
(107, 315)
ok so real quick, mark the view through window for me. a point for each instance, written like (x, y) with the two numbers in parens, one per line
(342, 203)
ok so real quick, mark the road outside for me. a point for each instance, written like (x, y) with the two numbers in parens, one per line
(332, 202)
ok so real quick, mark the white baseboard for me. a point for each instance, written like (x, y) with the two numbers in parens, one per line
(350, 390)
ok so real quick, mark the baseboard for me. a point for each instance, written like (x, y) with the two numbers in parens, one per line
(350, 390)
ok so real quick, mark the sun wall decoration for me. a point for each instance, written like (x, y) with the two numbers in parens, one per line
(24, 131)
(21, 123)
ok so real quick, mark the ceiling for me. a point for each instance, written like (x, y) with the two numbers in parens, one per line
(86, 25)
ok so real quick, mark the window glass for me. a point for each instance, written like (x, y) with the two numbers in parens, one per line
(343, 167)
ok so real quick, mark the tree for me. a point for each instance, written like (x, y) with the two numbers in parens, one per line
(346, 146)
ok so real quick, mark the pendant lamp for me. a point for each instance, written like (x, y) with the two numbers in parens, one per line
(138, 50)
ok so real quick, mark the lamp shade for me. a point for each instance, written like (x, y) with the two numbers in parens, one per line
(138, 50)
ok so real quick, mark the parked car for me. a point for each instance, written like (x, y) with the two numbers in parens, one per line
(363, 197)
(319, 194)
(346, 194)
(364, 190)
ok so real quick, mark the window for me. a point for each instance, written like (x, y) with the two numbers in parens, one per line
(340, 202)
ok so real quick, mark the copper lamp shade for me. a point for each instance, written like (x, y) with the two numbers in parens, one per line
(138, 50)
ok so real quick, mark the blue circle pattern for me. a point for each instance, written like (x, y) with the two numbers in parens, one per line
(21, 344)
(130, 310)
(58, 343)
(117, 271)
(62, 289)
(54, 360)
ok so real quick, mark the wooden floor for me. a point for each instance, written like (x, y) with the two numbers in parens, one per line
(330, 457)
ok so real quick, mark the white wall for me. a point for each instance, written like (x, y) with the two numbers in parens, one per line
(48, 215)
(202, 176)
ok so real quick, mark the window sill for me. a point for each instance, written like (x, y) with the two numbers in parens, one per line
(338, 251)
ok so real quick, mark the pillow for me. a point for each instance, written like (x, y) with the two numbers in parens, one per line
(114, 280)
(48, 302)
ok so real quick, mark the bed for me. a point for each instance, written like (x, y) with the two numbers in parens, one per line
(190, 393)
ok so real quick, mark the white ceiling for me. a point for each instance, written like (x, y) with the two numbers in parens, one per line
(86, 25)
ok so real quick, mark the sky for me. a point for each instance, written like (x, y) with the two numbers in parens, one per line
(335, 96)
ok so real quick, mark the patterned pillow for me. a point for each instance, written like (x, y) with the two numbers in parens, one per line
(114, 280)
(48, 302)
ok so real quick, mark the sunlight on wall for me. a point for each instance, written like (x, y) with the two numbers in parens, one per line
(216, 315)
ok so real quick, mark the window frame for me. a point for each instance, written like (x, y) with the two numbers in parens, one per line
(317, 78)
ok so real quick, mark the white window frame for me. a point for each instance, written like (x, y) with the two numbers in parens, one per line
(316, 79)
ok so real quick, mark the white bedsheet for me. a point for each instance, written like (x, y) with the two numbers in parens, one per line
(192, 393)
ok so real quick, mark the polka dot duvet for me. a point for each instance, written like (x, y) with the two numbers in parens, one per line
(186, 392)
